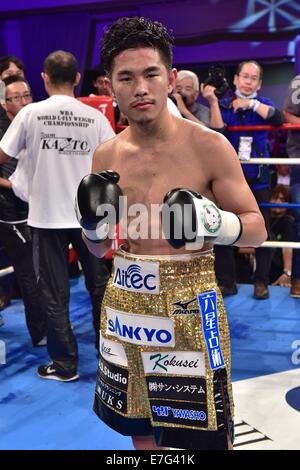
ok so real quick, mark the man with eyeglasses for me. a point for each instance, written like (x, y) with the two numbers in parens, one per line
(15, 234)
(247, 108)
(9, 65)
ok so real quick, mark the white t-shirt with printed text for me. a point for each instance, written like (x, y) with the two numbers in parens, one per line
(60, 135)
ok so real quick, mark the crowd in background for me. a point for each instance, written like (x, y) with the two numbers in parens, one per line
(218, 107)
(208, 105)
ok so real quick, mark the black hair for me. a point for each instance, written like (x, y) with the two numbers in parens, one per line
(99, 72)
(134, 32)
(283, 189)
(61, 67)
(7, 59)
(241, 65)
(13, 79)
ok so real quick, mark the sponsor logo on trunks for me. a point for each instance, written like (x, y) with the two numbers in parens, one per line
(188, 414)
(113, 375)
(140, 329)
(178, 362)
(113, 352)
(208, 306)
(184, 308)
(177, 388)
(111, 396)
(135, 276)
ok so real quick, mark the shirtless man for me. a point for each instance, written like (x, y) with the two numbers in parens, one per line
(164, 369)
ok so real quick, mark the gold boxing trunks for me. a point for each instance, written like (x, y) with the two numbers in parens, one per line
(164, 367)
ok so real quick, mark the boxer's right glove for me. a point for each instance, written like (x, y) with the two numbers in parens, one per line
(190, 220)
(97, 204)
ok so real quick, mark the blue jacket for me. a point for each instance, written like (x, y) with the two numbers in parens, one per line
(256, 175)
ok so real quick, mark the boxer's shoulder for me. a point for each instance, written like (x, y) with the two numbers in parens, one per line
(105, 154)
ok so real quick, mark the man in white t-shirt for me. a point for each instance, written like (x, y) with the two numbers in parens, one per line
(60, 135)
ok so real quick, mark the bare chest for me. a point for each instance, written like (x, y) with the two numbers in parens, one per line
(147, 177)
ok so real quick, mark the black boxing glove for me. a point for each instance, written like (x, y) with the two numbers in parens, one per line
(190, 220)
(97, 204)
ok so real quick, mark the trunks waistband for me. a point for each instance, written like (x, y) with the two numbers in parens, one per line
(187, 265)
(181, 257)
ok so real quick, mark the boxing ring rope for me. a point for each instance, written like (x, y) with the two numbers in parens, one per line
(6, 271)
(272, 161)
(265, 127)
(275, 244)
(282, 205)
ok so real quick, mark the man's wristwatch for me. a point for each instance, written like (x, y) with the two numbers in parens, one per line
(287, 272)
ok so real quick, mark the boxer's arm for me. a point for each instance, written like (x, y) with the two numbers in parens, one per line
(102, 157)
(97, 249)
(233, 194)
(101, 162)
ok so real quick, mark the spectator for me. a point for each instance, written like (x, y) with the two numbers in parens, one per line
(247, 108)
(280, 174)
(292, 115)
(101, 82)
(60, 135)
(15, 234)
(281, 228)
(6, 283)
(186, 93)
(103, 88)
(10, 65)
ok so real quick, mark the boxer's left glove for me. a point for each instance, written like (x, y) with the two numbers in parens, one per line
(189, 220)
(97, 204)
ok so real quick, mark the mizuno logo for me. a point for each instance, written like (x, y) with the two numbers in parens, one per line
(183, 308)
(184, 305)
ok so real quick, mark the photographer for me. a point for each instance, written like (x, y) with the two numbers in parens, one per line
(246, 107)
(186, 92)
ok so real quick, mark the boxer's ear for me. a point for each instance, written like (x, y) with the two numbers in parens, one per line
(172, 80)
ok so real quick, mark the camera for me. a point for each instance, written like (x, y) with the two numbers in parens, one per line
(184, 98)
(217, 79)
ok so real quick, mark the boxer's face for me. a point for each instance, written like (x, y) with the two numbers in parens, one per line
(141, 82)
